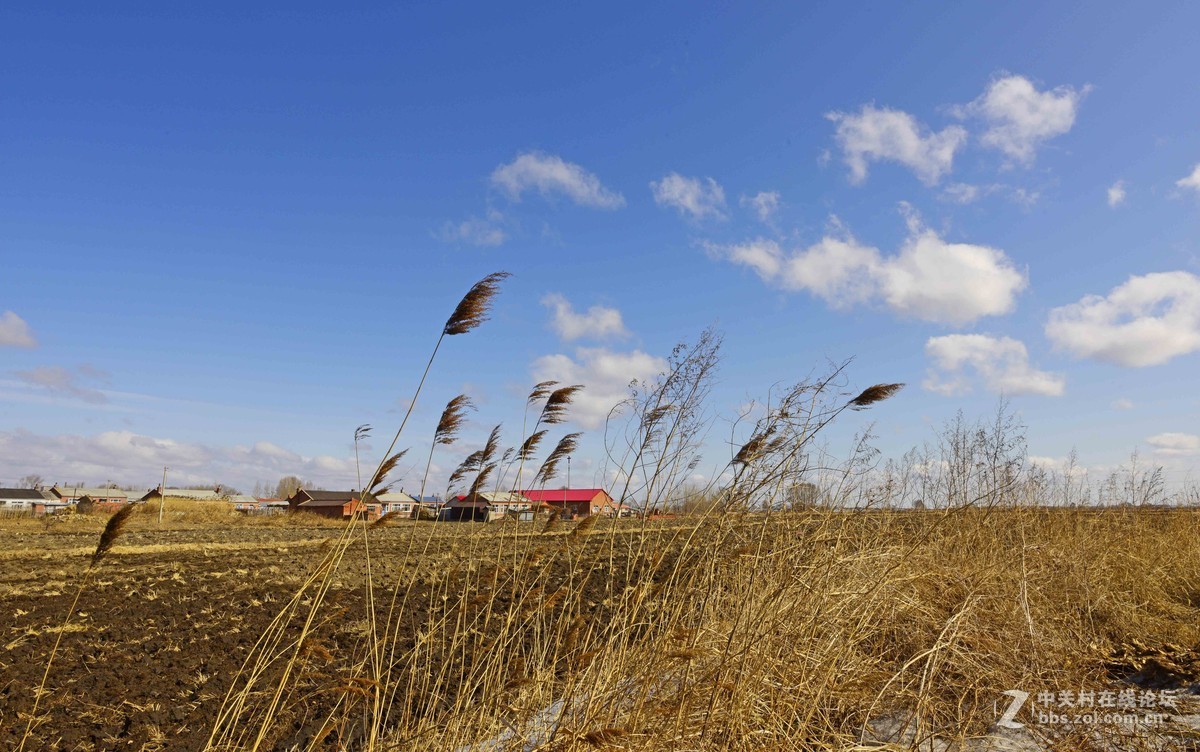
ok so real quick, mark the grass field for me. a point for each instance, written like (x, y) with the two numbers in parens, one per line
(804, 630)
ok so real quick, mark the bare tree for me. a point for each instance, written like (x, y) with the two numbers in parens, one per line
(31, 481)
(289, 485)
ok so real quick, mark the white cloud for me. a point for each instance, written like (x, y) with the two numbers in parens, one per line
(764, 204)
(1001, 362)
(1146, 321)
(1116, 194)
(883, 134)
(66, 382)
(1020, 118)
(1061, 465)
(840, 271)
(1122, 404)
(550, 175)
(1191, 181)
(1175, 444)
(476, 230)
(127, 458)
(605, 375)
(698, 198)
(14, 332)
(962, 193)
(954, 283)
(929, 279)
(599, 322)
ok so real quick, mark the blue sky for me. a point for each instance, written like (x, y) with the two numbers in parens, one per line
(230, 236)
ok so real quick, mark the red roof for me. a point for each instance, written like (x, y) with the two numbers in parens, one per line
(563, 494)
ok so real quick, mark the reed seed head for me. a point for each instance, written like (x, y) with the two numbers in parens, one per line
(541, 391)
(475, 306)
(873, 394)
(452, 419)
(566, 446)
(555, 410)
(377, 485)
(112, 531)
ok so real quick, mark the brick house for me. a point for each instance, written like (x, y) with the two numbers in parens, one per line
(576, 502)
(21, 499)
(335, 504)
(72, 494)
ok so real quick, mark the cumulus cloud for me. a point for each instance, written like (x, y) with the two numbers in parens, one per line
(1175, 444)
(125, 457)
(875, 134)
(550, 175)
(764, 204)
(14, 332)
(1116, 194)
(695, 197)
(66, 382)
(1146, 321)
(928, 279)
(1002, 363)
(605, 375)
(1122, 404)
(599, 322)
(1020, 118)
(1191, 181)
(476, 231)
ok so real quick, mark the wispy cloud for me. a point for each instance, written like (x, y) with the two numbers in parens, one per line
(1191, 181)
(479, 231)
(124, 457)
(14, 332)
(695, 197)
(1116, 194)
(764, 204)
(550, 175)
(67, 382)
(598, 322)
(1175, 444)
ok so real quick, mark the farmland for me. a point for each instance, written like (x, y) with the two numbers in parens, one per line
(805, 630)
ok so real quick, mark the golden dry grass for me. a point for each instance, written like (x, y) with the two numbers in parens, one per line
(751, 632)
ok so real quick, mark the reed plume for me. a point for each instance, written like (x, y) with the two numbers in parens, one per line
(112, 531)
(873, 394)
(566, 445)
(385, 519)
(541, 391)
(530, 445)
(486, 464)
(551, 521)
(108, 538)
(377, 485)
(475, 306)
(471, 464)
(555, 410)
(556, 401)
(447, 430)
(587, 523)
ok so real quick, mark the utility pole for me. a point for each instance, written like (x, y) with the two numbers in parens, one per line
(568, 482)
(162, 495)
